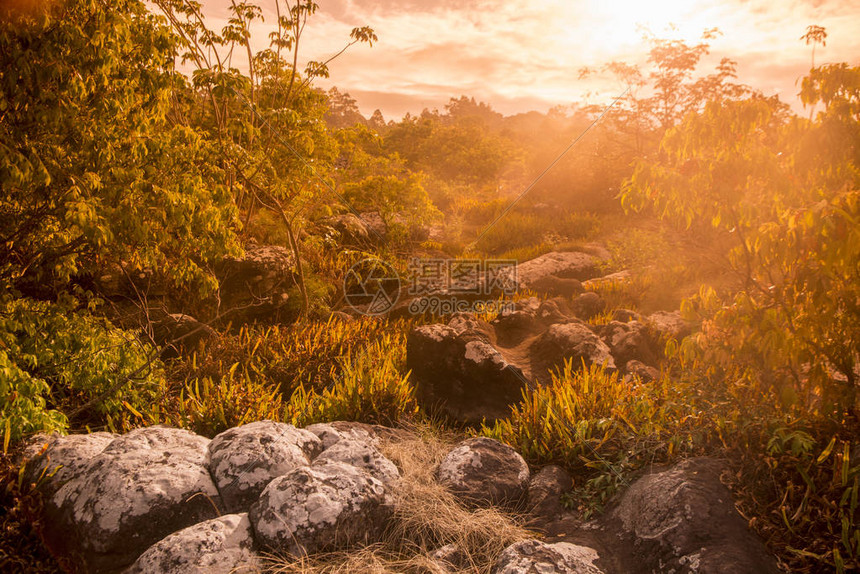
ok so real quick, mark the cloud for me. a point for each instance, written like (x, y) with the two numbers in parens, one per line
(528, 52)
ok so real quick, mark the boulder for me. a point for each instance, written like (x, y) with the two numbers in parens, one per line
(331, 433)
(52, 460)
(244, 459)
(324, 507)
(450, 558)
(629, 341)
(254, 287)
(643, 372)
(482, 470)
(587, 305)
(363, 455)
(182, 332)
(669, 325)
(141, 487)
(684, 519)
(545, 490)
(222, 545)
(349, 229)
(536, 557)
(542, 271)
(460, 374)
(573, 341)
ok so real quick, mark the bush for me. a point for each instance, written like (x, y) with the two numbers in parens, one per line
(597, 424)
(371, 387)
(54, 360)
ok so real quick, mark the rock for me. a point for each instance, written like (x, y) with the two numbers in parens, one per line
(545, 490)
(685, 516)
(483, 470)
(669, 325)
(363, 455)
(460, 374)
(243, 460)
(451, 558)
(573, 341)
(182, 333)
(558, 265)
(331, 433)
(618, 278)
(639, 369)
(626, 315)
(52, 460)
(629, 342)
(324, 507)
(140, 488)
(350, 229)
(219, 546)
(254, 287)
(552, 285)
(587, 305)
(536, 557)
(375, 225)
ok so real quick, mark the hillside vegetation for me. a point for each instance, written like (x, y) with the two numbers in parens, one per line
(136, 150)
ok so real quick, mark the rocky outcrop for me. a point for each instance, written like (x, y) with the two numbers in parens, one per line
(324, 507)
(223, 545)
(138, 489)
(484, 471)
(469, 371)
(254, 287)
(460, 374)
(536, 557)
(573, 341)
(556, 273)
(150, 496)
(683, 519)
(243, 460)
(144, 503)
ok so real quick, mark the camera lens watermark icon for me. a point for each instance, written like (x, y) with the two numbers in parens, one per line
(371, 287)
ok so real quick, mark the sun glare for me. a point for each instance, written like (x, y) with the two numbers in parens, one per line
(630, 18)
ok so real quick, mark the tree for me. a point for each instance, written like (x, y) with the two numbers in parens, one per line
(269, 124)
(91, 173)
(814, 35)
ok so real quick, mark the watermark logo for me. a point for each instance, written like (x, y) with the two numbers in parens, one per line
(371, 287)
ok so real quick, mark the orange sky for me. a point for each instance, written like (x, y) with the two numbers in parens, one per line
(521, 55)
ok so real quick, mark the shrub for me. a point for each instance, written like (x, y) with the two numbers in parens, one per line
(56, 360)
(597, 424)
(370, 387)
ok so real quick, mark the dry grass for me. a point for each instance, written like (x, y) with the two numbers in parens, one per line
(427, 517)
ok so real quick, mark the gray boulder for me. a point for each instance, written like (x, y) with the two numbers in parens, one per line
(243, 460)
(323, 507)
(222, 545)
(363, 455)
(330, 433)
(536, 557)
(52, 460)
(484, 471)
(140, 488)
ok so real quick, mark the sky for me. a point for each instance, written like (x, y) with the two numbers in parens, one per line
(523, 55)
